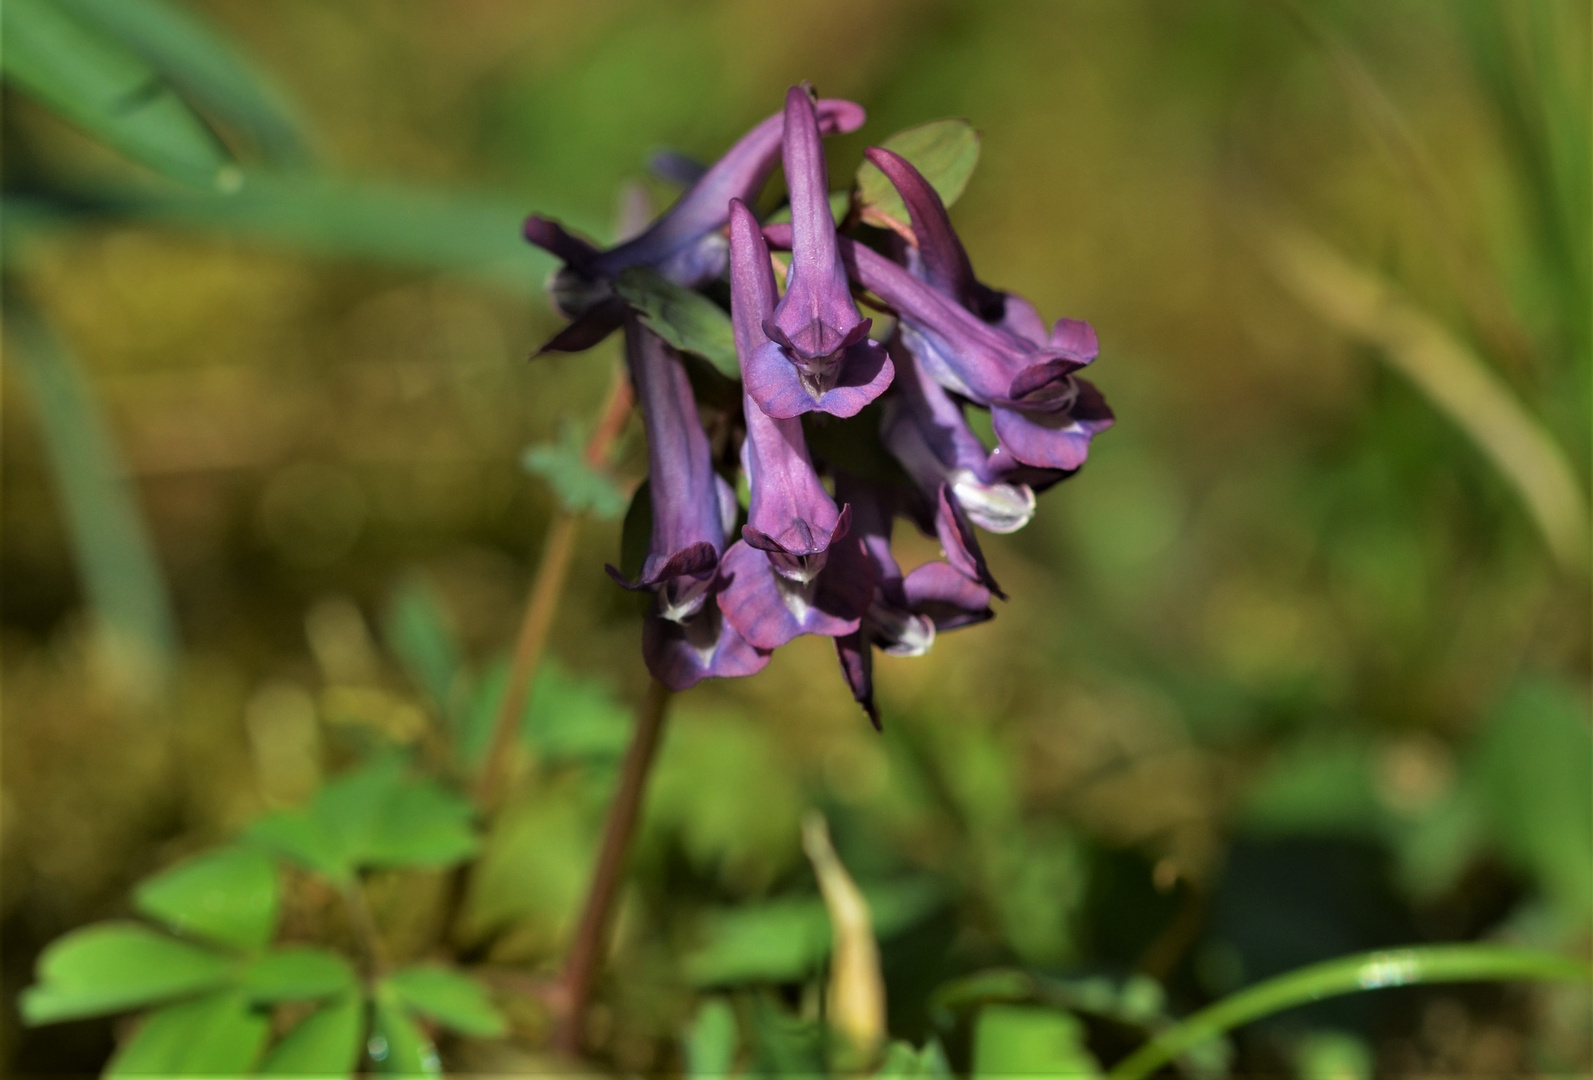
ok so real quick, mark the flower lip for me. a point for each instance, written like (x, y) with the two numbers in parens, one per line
(809, 350)
(985, 360)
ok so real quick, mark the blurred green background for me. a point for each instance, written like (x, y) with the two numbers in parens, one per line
(1297, 665)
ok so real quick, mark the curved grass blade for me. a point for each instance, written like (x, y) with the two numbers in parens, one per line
(203, 66)
(110, 92)
(122, 579)
(1348, 975)
(1446, 372)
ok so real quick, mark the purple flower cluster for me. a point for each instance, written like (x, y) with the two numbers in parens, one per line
(806, 561)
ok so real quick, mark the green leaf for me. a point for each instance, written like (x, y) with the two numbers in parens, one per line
(903, 1062)
(1020, 1040)
(1333, 1055)
(108, 91)
(202, 65)
(301, 837)
(1534, 767)
(784, 1045)
(229, 897)
(454, 1000)
(636, 534)
(397, 1046)
(326, 1043)
(1420, 964)
(418, 631)
(111, 544)
(711, 1042)
(421, 824)
(572, 718)
(945, 151)
(111, 967)
(686, 319)
(382, 817)
(298, 974)
(217, 1035)
(426, 229)
(581, 487)
(785, 940)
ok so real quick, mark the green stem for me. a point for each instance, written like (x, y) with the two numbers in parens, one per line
(1348, 975)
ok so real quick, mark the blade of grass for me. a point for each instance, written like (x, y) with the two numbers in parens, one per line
(203, 65)
(423, 228)
(121, 576)
(110, 92)
(1362, 305)
(1348, 975)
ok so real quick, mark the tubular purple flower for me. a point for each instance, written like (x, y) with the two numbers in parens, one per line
(685, 637)
(685, 244)
(819, 357)
(927, 432)
(795, 570)
(905, 612)
(1044, 416)
(783, 580)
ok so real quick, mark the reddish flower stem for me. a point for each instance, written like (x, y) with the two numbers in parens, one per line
(591, 936)
(543, 603)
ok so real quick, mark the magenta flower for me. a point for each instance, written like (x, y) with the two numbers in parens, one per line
(685, 637)
(1044, 417)
(685, 244)
(790, 573)
(906, 611)
(816, 356)
(926, 431)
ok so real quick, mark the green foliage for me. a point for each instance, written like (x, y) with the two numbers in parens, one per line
(683, 317)
(711, 1041)
(581, 487)
(418, 632)
(786, 940)
(114, 553)
(1348, 975)
(110, 967)
(328, 1042)
(1015, 1040)
(216, 1035)
(1333, 1055)
(229, 897)
(301, 973)
(397, 1046)
(636, 533)
(97, 83)
(377, 815)
(301, 837)
(945, 151)
(202, 66)
(572, 718)
(455, 1001)
(902, 1062)
(1534, 768)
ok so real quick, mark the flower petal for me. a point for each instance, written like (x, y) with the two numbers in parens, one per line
(779, 389)
(1054, 440)
(958, 541)
(680, 655)
(769, 609)
(857, 668)
(946, 596)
